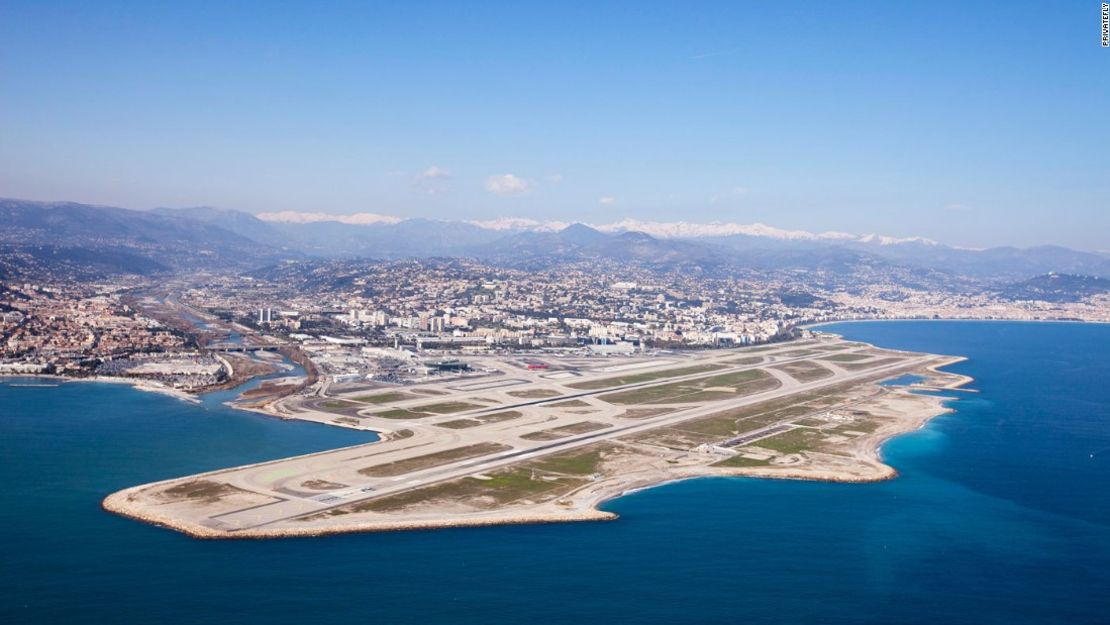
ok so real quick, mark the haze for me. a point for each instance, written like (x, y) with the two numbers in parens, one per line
(975, 125)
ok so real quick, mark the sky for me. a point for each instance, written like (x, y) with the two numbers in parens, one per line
(973, 123)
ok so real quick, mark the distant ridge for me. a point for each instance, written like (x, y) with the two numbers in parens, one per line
(174, 238)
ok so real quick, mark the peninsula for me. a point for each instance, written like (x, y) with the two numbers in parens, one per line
(549, 438)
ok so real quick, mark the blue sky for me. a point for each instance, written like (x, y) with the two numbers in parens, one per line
(973, 123)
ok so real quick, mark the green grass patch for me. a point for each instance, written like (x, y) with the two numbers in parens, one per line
(204, 490)
(565, 431)
(503, 487)
(714, 429)
(804, 370)
(508, 486)
(470, 422)
(864, 425)
(577, 462)
(570, 403)
(811, 422)
(401, 413)
(447, 407)
(845, 357)
(408, 465)
(647, 376)
(339, 404)
(800, 352)
(792, 442)
(712, 388)
(534, 393)
(643, 413)
(383, 398)
(741, 461)
(859, 366)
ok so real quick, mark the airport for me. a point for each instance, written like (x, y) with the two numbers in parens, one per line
(549, 437)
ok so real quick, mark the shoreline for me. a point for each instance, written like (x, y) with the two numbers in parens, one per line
(589, 499)
(140, 385)
(817, 324)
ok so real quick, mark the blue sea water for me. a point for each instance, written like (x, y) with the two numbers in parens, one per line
(1001, 515)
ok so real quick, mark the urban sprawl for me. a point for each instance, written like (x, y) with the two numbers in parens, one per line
(384, 321)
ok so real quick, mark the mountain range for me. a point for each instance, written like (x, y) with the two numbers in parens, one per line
(119, 240)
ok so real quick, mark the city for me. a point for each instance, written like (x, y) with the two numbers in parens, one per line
(359, 320)
(489, 313)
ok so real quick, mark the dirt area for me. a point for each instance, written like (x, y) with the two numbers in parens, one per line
(267, 389)
(321, 485)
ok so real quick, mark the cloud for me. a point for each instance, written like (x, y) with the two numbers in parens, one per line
(740, 190)
(435, 173)
(607, 200)
(432, 180)
(358, 219)
(507, 184)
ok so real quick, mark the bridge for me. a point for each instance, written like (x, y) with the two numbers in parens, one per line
(238, 347)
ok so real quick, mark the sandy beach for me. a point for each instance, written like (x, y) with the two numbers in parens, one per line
(139, 384)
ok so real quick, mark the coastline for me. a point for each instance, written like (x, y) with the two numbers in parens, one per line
(141, 385)
(583, 504)
(818, 324)
(118, 503)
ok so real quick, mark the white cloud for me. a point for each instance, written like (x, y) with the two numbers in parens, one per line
(607, 200)
(432, 180)
(507, 184)
(359, 219)
(435, 173)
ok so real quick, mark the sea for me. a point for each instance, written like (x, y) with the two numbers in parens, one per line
(1000, 514)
